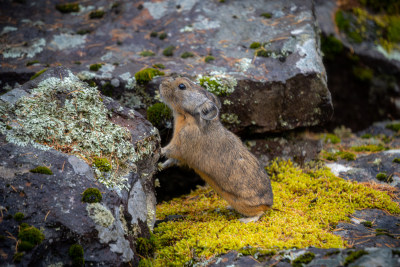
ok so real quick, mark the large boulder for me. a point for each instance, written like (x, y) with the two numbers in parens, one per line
(278, 84)
(58, 138)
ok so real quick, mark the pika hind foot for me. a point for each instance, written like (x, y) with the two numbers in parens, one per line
(168, 163)
(250, 219)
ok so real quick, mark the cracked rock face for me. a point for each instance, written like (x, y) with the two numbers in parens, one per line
(282, 88)
(53, 202)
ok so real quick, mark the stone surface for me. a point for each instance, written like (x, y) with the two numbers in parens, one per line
(358, 101)
(283, 91)
(53, 203)
(322, 257)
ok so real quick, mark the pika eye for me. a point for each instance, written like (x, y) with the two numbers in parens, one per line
(182, 86)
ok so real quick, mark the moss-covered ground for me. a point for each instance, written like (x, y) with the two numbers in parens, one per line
(308, 203)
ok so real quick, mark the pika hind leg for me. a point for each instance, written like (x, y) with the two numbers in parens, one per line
(250, 219)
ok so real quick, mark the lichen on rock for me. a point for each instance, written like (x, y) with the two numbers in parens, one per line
(218, 83)
(70, 116)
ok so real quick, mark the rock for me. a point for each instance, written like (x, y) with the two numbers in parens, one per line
(283, 89)
(362, 76)
(320, 257)
(52, 203)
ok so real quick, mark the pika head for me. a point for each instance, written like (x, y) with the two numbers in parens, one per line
(184, 96)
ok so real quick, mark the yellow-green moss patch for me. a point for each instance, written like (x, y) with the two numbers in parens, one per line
(42, 170)
(295, 220)
(146, 75)
(37, 74)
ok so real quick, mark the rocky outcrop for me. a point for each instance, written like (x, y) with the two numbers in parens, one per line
(44, 184)
(362, 61)
(262, 58)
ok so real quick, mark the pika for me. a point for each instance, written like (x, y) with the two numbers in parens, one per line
(201, 142)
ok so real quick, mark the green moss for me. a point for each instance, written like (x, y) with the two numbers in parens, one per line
(263, 53)
(77, 62)
(393, 29)
(255, 45)
(30, 63)
(95, 67)
(159, 66)
(303, 259)
(345, 25)
(346, 155)
(162, 36)
(367, 224)
(209, 228)
(381, 176)
(145, 247)
(25, 246)
(187, 54)
(8, 127)
(18, 256)
(83, 31)
(331, 47)
(329, 156)
(369, 148)
(393, 126)
(366, 136)
(208, 59)
(388, 6)
(169, 51)
(363, 74)
(19, 216)
(396, 160)
(103, 164)
(266, 15)
(355, 255)
(68, 8)
(331, 138)
(97, 14)
(23, 225)
(37, 74)
(31, 234)
(92, 195)
(146, 75)
(146, 263)
(76, 253)
(42, 170)
(159, 113)
(147, 53)
(153, 34)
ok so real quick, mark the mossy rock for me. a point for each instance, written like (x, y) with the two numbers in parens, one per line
(31, 234)
(393, 126)
(68, 8)
(42, 170)
(95, 67)
(97, 14)
(255, 45)
(158, 114)
(92, 195)
(208, 59)
(146, 246)
(146, 75)
(369, 148)
(187, 55)
(169, 51)
(353, 256)
(37, 74)
(303, 259)
(331, 47)
(76, 253)
(332, 139)
(19, 216)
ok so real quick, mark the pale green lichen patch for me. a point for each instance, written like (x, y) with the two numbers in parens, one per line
(70, 116)
(230, 118)
(100, 214)
(218, 83)
(296, 219)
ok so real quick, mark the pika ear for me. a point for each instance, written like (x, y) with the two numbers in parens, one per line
(208, 110)
(214, 99)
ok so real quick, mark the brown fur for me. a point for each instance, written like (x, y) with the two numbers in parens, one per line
(217, 155)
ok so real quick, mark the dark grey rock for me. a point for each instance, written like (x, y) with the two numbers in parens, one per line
(283, 91)
(53, 203)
